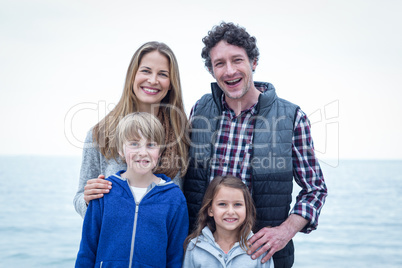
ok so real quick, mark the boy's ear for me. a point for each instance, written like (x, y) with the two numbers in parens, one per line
(121, 150)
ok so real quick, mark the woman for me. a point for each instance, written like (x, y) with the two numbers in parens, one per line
(152, 85)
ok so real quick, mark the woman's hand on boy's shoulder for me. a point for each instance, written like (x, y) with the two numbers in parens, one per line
(95, 188)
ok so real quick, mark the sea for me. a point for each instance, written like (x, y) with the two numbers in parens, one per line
(360, 224)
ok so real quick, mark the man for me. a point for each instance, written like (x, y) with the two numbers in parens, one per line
(245, 130)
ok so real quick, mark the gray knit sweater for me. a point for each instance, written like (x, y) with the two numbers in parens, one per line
(93, 164)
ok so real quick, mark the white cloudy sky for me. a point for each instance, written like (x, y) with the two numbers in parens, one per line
(63, 64)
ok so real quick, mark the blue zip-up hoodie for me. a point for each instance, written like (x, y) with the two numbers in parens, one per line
(120, 232)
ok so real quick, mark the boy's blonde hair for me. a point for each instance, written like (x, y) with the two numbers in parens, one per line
(138, 124)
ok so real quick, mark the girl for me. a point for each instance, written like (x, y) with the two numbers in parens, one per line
(224, 225)
(153, 86)
(143, 222)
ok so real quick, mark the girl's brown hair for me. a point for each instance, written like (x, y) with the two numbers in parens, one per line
(205, 220)
(172, 105)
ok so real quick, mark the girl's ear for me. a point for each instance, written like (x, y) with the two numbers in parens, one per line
(210, 213)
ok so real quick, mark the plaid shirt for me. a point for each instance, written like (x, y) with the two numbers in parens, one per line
(233, 144)
(233, 150)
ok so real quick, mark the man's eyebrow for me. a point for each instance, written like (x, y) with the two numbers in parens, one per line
(233, 56)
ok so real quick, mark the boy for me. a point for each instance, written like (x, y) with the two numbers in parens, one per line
(144, 212)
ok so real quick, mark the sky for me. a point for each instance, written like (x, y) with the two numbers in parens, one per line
(63, 65)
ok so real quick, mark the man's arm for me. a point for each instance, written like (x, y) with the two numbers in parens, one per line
(304, 215)
(193, 111)
(307, 174)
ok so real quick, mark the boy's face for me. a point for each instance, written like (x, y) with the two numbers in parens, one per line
(141, 155)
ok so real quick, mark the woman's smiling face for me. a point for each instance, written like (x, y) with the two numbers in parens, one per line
(152, 80)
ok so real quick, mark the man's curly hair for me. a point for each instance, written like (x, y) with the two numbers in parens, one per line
(234, 35)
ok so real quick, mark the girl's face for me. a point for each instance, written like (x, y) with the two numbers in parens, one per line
(152, 80)
(228, 209)
(141, 155)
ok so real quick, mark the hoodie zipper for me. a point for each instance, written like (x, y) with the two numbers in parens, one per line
(134, 230)
(137, 205)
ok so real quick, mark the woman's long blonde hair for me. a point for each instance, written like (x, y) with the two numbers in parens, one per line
(172, 104)
(205, 220)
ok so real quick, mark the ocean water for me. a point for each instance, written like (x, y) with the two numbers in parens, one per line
(360, 224)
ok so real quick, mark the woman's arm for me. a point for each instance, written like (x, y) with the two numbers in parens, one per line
(91, 185)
